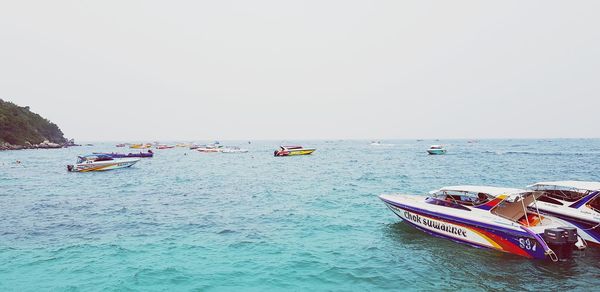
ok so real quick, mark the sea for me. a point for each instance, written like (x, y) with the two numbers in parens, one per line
(191, 221)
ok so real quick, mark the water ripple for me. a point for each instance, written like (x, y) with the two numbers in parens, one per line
(191, 221)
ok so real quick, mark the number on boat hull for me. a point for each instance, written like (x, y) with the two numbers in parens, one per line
(527, 243)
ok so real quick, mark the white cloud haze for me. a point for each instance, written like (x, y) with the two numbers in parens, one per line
(135, 70)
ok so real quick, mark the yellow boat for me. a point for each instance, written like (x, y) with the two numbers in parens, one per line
(293, 150)
(140, 146)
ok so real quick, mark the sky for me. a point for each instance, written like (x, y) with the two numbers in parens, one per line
(184, 70)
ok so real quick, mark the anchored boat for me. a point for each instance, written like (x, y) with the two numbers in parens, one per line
(211, 148)
(100, 162)
(214, 148)
(148, 154)
(140, 146)
(488, 217)
(378, 143)
(436, 150)
(233, 149)
(577, 202)
(293, 150)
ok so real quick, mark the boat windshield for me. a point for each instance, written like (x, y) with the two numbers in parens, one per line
(463, 197)
(99, 157)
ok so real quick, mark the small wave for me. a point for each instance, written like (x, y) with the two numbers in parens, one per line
(226, 231)
(539, 153)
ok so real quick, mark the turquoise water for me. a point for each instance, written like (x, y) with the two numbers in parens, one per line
(209, 222)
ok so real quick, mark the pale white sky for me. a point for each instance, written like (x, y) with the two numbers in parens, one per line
(135, 70)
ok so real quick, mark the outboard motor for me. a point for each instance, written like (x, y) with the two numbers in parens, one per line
(561, 241)
(571, 237)
(70, 167)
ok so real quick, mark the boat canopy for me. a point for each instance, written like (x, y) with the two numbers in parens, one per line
(494, 191)
(508, 203)
(291, 147)
(93, 157)
(512, 194)
(567, 185)
(436, 147)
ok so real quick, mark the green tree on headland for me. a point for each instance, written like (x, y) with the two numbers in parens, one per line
(19, 125)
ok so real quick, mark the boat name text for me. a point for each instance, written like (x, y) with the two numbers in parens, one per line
(435, 224)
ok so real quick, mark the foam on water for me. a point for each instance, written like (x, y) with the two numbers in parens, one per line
(206, 221)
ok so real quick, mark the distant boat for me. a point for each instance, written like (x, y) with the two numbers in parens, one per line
(293, 151)
(121, 145)
(164, 147)
(148, 154)
(100, 162)
(140, 146)
(436, 150)
(211, 148)
(378, 143)
(233, 149)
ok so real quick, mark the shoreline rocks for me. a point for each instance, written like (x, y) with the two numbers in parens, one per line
(44, 145)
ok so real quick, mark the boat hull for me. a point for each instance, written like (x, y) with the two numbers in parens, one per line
(208, 150)
(138, 146)
(436, 151)
(295, 152)
(469, 232)
(104, 165)
(234, 151)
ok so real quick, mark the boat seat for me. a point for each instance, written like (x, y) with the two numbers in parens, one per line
(534, 220)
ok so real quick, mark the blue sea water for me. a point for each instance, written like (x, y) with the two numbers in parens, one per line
(189, 221)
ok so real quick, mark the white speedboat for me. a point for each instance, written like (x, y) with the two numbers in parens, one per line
(577, 202)
(211, 148)
(100, 162)
(378, 143)
(488, 217)
(233, 149)
(436, 150)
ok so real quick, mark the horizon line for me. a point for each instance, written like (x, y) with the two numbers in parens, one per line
(341, 139)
